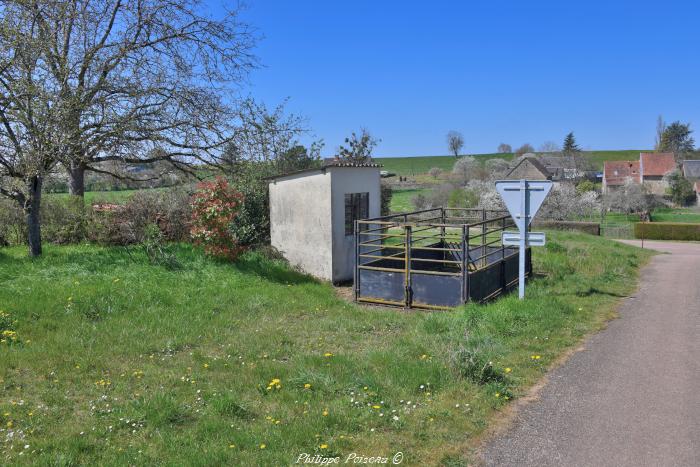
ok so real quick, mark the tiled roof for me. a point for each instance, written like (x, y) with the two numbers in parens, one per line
(691, 169)
(328, 163)
(617, 172)
(656, 163)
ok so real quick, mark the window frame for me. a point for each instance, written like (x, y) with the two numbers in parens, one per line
(356, 207)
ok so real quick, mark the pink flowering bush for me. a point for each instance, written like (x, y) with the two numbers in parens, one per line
(215, 205)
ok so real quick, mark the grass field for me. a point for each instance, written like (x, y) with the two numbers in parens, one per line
(117, 361)
(419, 165)
(100, 196)
(401, 198)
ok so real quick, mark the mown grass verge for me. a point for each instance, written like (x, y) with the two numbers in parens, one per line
(120, 362)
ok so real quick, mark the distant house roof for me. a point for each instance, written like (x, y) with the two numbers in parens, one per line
(617, 172)
(560, 161)
(538, 166)
(656, 164)
(691, 169)
(327, 163)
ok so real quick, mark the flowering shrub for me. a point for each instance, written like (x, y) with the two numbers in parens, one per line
(214, 206)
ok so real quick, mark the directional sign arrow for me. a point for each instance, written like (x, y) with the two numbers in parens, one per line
(531, 238)
(535, 193)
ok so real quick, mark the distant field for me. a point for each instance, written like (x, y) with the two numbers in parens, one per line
(116, 197)
(401, 198)
(420, 165)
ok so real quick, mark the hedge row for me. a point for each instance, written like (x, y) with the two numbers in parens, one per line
(667, 231)
(592, 228)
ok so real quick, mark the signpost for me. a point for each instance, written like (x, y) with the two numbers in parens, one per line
(523, 199)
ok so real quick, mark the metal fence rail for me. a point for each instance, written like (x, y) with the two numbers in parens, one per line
(432, 258)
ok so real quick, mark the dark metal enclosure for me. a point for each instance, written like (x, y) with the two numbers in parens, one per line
(434, 258)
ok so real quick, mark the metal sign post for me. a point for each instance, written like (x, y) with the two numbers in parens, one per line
(523, 199)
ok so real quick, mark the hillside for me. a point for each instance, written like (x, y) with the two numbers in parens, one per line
(421, 164)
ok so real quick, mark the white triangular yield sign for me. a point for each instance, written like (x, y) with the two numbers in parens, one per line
(535, 193)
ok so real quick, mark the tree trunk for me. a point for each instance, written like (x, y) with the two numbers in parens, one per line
(76, 179)
(32, 203)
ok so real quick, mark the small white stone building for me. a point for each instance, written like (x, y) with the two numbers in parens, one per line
(313, 212)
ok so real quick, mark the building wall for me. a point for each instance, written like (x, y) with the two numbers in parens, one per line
(350, 180)
(655, 185)
(300, 221)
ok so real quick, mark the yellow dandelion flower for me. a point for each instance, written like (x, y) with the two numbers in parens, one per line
(376, 407)
(231, 446)
(263, 446)
(206, 365)
(498, 394)
(307, 386)
(508, 370)
(325, 413)
(324, 446)
(327, 354)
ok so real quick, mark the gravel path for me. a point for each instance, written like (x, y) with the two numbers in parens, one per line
(632, 396)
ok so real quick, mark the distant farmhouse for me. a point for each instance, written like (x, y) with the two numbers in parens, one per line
(528, 168)
(555, 168)
(649, 170)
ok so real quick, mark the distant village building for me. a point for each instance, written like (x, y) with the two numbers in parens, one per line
(649, 170)
(563, 167)
(617, 173)
(557, 168)
(313, 214)
(528, 168)
(691, 170)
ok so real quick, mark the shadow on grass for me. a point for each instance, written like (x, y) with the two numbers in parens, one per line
(272, 270)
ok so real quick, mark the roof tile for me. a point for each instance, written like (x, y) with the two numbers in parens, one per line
(656, 164)
(617, 172)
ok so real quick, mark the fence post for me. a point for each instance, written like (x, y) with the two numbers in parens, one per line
(356, 278)
(483, 238)
(465, 263)
(503, 248)
(443, 240)
(407, 267)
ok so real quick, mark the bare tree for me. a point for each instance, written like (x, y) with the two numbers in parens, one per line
(549, 146)
(95, 84)
(660, 128)
(435, 172)
(504, 148)
(359, 147)
(524, 149)
(129, 76)
(455, 142)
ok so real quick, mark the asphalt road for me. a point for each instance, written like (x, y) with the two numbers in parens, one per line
(632, 396)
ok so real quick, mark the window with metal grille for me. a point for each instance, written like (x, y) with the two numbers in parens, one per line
(356, 208)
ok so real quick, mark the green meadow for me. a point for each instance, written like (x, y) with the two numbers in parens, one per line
(108, 359)
(411, 166)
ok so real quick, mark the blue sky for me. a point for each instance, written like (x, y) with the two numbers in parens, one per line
(497, 71)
